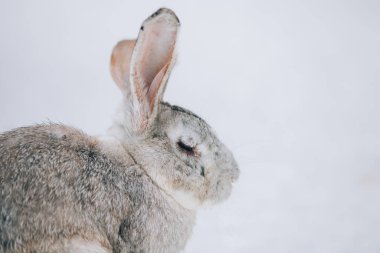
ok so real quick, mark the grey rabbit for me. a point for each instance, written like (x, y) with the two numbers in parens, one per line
(136, 190)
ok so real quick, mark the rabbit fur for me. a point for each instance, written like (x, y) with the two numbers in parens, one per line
(136, 190)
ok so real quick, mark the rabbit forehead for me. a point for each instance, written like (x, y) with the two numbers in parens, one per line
(187, 132)
(182, 124)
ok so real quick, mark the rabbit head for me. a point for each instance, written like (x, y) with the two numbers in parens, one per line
(176, 148)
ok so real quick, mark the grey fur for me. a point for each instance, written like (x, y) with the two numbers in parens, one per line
(59, 185)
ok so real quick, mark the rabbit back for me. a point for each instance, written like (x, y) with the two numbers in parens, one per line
(58, 183)
(51, 177)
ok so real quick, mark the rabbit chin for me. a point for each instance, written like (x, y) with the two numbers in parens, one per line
(188, 200)
(185, 198)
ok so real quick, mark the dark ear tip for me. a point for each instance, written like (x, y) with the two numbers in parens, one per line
(165, 11)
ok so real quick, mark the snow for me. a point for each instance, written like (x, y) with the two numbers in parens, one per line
(292, 87)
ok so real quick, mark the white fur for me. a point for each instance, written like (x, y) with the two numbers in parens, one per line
(83, 246)
(57, 132)
(109, 143)
(122, 123)
(186, 199)
(183, 133)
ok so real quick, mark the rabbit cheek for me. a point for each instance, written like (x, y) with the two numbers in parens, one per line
(224, 189)
(202, 171)
(218, 192)
(186, 199)
(189, 188)
(219, 186)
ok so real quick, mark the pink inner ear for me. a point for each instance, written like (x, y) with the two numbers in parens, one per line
(155, 86)
(120, 62)
(157, 52)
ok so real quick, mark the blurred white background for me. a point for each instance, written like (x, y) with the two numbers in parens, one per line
(292, 87)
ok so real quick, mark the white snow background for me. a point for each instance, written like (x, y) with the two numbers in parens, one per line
(292, 87)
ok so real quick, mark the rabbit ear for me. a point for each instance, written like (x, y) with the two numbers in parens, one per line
(120, 63)
(151, 62)
(141, 68)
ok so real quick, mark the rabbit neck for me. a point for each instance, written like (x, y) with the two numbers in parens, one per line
(117, 146)
(153, 167)
(167, 212)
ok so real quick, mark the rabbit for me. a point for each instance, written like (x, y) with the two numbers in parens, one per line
(136, 190)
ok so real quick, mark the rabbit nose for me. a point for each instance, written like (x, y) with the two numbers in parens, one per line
(235, 174)
(234, 169)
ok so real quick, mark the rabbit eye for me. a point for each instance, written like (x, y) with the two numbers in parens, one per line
(186, 148)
